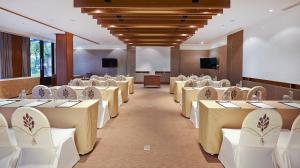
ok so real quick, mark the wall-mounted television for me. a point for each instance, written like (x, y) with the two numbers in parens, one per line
(109, 62)
(208, 63)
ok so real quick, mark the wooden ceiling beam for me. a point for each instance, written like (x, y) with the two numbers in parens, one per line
(153, 22)
(150, 11)
(178, 36)
(150, 30)
(149, 17)
(152, 3)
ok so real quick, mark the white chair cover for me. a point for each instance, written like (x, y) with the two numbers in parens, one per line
(94, 77)
(42, 146)
(235, 93)
(94, 82)
(106, 77)
(206, 77)
(225, 83)
(288, 147)
(206, 93)
(66, 92)
(205, 82)
(9, 152)
(103, 114)
(255, 90)
(121, 78)
(191, 83)
(254, 144)
(181, 78)
(111, 82)
(194, 77)
(77, 82)
(41, 92)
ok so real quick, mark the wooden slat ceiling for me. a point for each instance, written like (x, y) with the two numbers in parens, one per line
(152, 22)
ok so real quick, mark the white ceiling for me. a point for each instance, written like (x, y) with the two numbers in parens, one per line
(62, 14)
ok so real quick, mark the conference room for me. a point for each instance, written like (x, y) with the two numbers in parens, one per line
(149, 84)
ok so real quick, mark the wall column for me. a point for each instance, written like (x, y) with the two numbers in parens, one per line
(64, 58)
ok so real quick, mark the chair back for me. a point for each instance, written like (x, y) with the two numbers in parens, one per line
(194, 77)
(206, 77)
(258, 139)
(225, 83)
(106, 77)
(208, 93)
(256, 91)
(32, 128)
(41, 92)
(181, 78)
(66, 92)
(111, 82)
(293, 146)
(94, 77)
(94, 82)
(205, 82)
(91, 93)
(77, 82)
(234, 92)
(4, 137)
(190, 83)
(121, 78)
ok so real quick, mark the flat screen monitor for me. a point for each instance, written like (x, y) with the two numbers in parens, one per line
(208, 63)
(109, 62)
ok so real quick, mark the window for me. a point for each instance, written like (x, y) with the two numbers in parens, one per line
(47, 59)
(35, 59)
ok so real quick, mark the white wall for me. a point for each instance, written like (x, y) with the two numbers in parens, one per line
(272, 49)
(153, 58)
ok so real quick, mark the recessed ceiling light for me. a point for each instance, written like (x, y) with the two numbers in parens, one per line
(192, 26)
(178, 40)
(184, 34)
(205, 12)
(271, 10)
(112, 26)
(130, 43)
(126, 39)
(219, 14)
(120, 34)
(202, 42)
(98, 11)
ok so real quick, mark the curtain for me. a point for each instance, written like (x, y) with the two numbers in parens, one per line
(6, 69)
(26, 56)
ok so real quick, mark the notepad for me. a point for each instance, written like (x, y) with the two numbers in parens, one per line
(262, 105)
(228, 105)
(296, 105)
(6, 102)
(36, 103)
(69, 103)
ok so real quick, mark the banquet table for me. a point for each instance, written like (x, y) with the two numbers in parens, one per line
(10, 88)
(124, 87)
(130, 84)
(214, 117)
(82, 116)
(109, 94)
(178, 85)
(172, 84)
(190, 94)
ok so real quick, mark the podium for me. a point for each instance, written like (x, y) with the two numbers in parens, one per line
(152, 81)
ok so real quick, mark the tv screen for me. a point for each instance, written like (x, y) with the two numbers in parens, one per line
(109, 62)
(208, 63)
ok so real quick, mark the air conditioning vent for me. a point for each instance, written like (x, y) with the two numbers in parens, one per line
(291, 7)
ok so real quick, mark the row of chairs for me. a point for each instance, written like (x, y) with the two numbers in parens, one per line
(261, 142)
(207, 82)
(231, 93)
(32, 143)
(66, 92)
(193, 77)
(93, 82)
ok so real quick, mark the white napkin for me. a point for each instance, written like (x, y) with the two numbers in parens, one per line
(228, 105)
(36, 103)
(262, 105)
(296, 105)
(6, 102)
(69, 103)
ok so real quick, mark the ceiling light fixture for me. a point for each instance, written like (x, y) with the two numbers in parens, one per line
(112, 26)
(271, 10)
(206, 12)
(219, 14)
(98, 11)
(120, 34)
(202, 43)
(184, 34)
(192, 26)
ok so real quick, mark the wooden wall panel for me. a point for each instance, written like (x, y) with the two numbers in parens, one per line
(175, 61)
(17, 55)
(235, 57)
(190, 62)
(64, 58)
(221, 54)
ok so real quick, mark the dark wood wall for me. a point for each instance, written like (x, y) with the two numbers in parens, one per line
(235, 57)
(17, 55)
